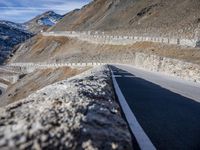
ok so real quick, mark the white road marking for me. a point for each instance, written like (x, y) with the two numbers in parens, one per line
(117, 76)
(129, 76)
(141, 137)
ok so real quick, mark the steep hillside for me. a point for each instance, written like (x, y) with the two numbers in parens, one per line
(178, 17)
(170, 18)
(63, 49)
(11, 34)
(146, 16)
(43, 21)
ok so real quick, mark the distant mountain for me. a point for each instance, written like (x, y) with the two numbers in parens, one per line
(11, 34)
(43, 21)
(13, 25)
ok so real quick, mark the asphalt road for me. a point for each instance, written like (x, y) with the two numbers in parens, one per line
(167, 108)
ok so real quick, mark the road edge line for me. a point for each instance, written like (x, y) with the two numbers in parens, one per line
(141, 137)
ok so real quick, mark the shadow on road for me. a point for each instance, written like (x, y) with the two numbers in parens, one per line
(170, 120)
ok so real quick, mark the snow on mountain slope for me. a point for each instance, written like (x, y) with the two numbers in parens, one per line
(43, 21)
(49, 19)
(13, 25)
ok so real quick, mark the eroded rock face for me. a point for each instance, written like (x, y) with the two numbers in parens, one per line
(79, 113)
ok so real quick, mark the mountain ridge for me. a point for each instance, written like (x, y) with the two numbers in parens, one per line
(11, 34)
(158, 16)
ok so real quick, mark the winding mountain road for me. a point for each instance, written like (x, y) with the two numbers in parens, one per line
(167, 108)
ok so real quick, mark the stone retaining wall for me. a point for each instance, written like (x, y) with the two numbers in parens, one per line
(101, 38)
(30, 67)
(174, 67)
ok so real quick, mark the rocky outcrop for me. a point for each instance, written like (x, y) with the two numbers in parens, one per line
(78, 113)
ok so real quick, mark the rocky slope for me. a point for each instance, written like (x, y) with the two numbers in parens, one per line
(181, 17)
(11, 34)
(81, 113)
(43, 22)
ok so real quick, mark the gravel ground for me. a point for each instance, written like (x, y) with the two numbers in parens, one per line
(78, 113)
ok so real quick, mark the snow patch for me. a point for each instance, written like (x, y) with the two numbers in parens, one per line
(49, 19)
